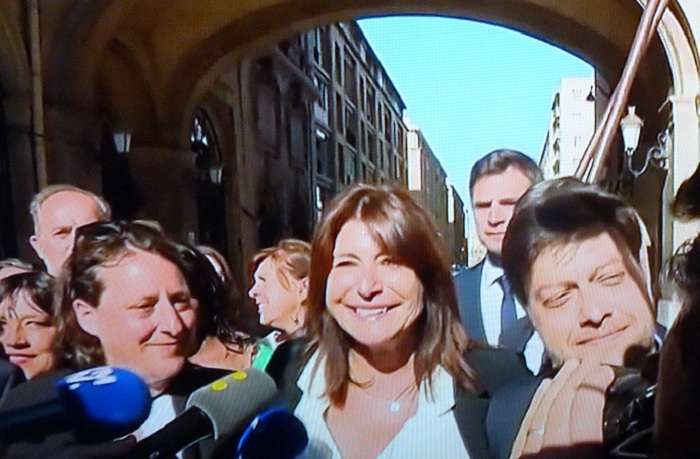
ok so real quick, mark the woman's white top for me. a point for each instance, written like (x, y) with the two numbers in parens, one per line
(432, 432)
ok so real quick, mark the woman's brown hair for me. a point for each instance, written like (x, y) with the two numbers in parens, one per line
(406, 233)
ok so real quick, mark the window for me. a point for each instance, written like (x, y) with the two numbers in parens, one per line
(350, 172)
(372, 146)
(350, 126)
(340, 159)
(350, 79)
(338, 64)
(210, 195)
(321, 198)
(323, 91)
(370, 103)
(323, 153)
(317, 45)
(203, 142)
(339, 112)
(387, 124)
(363, 95)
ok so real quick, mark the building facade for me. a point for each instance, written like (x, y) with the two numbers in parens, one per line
(358, 129)
(427, 183)
(74, 72)
(427, 180)
(571, 127)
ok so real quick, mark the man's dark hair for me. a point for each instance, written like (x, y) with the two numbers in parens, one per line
(559, 212)
(498, 161)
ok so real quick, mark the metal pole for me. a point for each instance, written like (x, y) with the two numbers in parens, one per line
(589, 168)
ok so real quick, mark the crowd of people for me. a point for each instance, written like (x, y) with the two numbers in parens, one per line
(547, 348)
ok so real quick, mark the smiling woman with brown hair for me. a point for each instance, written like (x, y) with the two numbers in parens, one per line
(388, 372)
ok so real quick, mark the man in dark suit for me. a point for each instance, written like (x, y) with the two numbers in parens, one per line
(488, 308)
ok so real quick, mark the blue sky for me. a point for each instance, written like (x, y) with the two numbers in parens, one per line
(471, 87)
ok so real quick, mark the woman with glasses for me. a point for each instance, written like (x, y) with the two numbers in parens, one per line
(135, 299)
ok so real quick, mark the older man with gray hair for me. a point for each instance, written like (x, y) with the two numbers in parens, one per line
(57, 211)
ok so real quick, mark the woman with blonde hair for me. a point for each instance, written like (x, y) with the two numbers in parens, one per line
(280, 291)
(280, 284)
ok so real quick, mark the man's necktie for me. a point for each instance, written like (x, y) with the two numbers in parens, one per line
(508, 315)
(515, 333)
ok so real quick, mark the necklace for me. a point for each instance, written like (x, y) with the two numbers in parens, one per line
(395, 403)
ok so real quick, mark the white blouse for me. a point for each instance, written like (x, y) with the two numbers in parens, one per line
(432, 432)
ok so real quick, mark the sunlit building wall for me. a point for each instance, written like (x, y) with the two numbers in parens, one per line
(427, 178)
(571, 127)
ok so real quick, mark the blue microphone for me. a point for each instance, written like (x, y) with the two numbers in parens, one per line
(273, 434)
(97, 404)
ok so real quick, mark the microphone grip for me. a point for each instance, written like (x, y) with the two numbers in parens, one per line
(189, 427)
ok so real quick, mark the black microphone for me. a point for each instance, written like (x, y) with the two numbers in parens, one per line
(97, 404)
(217, 410)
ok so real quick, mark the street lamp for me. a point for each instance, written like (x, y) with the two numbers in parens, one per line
(631, 126)
(122, 141)
(216, 174)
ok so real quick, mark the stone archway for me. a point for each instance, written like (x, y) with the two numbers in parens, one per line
(182, 49)
(176, 51)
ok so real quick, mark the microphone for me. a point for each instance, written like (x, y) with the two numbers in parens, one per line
(215, 410)
(274, 434)
(97, 404)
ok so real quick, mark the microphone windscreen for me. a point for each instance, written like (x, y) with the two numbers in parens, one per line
(105, 401)
(232, 401)
(96, 404)
(274, 434)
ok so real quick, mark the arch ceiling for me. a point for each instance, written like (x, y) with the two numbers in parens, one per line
(176, 45)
